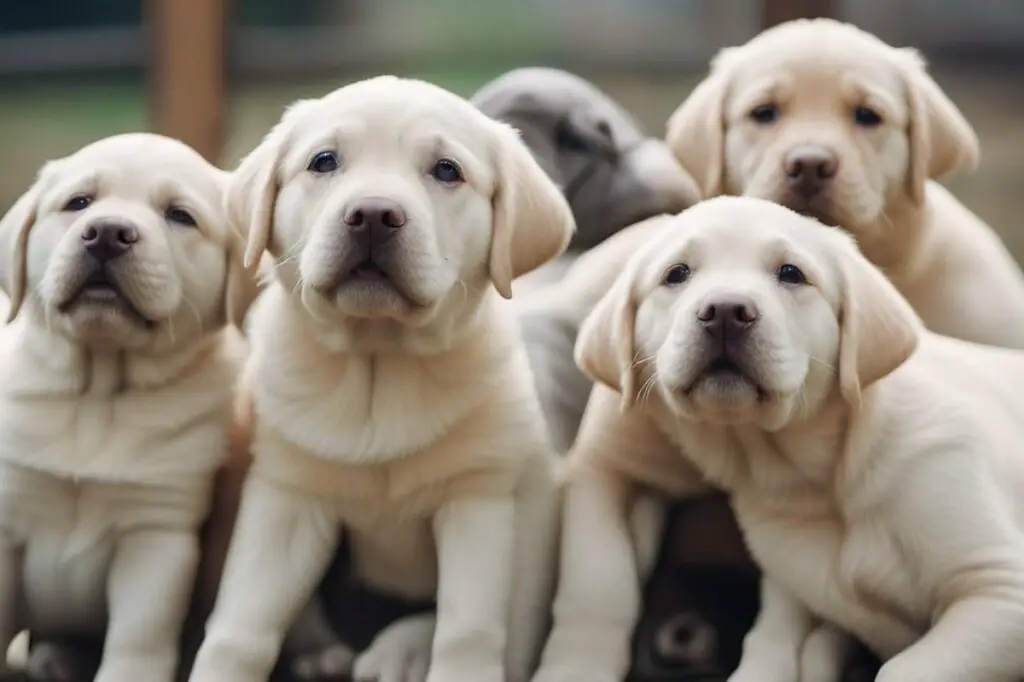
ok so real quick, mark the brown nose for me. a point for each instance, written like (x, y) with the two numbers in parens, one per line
(809, 168)
(106, 241)
(727, 315)
(378, 217)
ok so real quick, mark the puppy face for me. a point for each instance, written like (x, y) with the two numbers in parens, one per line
(743, 311)
(612, 174)
(392, 198)
(125, 242)
(823, 118)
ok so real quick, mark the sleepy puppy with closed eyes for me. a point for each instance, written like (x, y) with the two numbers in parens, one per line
(116, 377)
(391, 398)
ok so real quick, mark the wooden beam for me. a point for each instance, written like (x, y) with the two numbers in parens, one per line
(777, 11)
(188, 40)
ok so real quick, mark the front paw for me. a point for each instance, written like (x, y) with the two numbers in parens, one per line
(331, 663)
(573, 673)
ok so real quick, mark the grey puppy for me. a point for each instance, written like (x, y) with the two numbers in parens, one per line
(613, 175)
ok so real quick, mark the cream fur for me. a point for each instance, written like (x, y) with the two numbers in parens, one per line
(952, 267)
(872, 465)
(402, 414)
(111, 430)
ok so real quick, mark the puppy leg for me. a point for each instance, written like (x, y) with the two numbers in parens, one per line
(316, 652)
(148, 592)
(399, 653)
(772, 648)
(475, 538)
(10, 583)
(598, 597)
(825, 654)
(282, 543)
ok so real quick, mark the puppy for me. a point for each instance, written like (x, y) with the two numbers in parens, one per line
(872, 465)
(832, 122)
(116, 376)
(613, 175)
(391, 398)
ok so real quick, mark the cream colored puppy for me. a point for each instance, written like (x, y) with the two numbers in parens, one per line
(874, 467)
(830, 121)
(116, 379)
(392, 398)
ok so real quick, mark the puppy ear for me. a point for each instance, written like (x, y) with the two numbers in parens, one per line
(941, 139)
(696, 129)
(606, 344)
(14, 231)
(532, 220)
(244, 282)
(252, 191)
(879, 330)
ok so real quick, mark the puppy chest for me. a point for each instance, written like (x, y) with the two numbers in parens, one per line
(394, 554)
(851, 575)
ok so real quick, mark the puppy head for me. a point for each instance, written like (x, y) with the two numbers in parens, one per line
(611, 172)
(823, 118)
(390, 198)
(742, 311)
(125, 242)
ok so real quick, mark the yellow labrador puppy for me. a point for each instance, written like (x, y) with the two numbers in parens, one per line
(116, 378)
(830, 121)
(392, 399)
(874, 467)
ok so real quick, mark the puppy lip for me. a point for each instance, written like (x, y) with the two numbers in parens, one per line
(100, 289)
(368, 270)
(724, 366)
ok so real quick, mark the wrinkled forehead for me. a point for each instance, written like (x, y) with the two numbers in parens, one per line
(811, 66)
(392, 127)
(153, 173)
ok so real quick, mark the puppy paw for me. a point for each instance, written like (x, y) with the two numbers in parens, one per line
(332, 663)
(400, 653)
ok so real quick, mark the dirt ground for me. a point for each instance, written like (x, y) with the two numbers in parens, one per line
(46, 120)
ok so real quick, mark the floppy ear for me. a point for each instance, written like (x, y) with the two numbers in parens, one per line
(244, 282)
(606, 343)
(941, 139)
(14, 231)
(879, 330)
(532, 220)
(696, 130)
(252, 190)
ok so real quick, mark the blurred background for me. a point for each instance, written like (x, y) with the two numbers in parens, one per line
(217, 73)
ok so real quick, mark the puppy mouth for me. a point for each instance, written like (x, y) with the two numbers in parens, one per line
(722, 375)
(98, 290)
(368, 271)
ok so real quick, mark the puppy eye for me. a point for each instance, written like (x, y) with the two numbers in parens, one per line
(180, 216)
(447, 172)
(764, 114)
(676, 275)
(77, 203)
(791, 274)
(324, 162)
(866, 117)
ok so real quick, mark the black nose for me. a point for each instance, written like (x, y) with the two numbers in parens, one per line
(727, 316)
(379, 218)
(107, 241)
(809, 168)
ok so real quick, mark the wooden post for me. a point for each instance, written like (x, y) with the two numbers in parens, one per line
(188, 40)
(778, 11)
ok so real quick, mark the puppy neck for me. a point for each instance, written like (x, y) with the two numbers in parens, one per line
(39, 362)
(898, 237)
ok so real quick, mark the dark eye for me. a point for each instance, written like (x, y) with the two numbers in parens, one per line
(324, 162)
(78, 203)
(866, 118)
(764, 114)
(447, 171)
(677, 274)
(180, 216)
(791, 274)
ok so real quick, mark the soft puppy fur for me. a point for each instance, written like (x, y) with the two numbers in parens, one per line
(873, 466)
(116, 377)
(613, 174)
(392, 400)
(832, 122)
